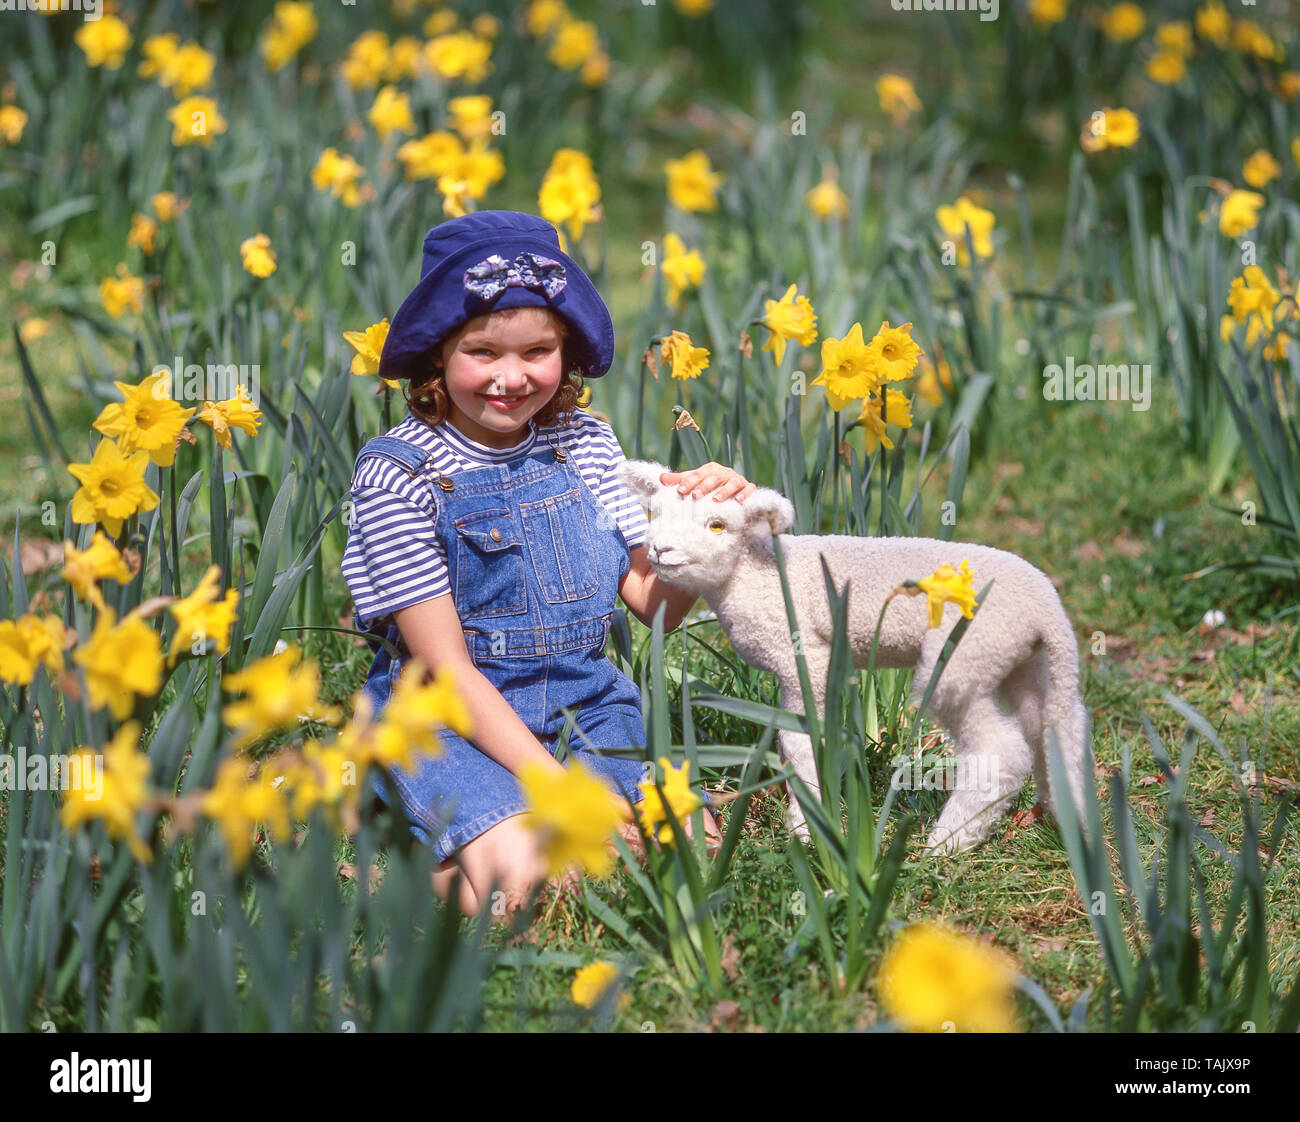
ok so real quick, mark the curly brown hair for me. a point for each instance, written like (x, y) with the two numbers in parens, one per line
(427, 397)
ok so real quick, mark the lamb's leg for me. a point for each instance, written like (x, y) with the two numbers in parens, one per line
(993, 762)
(1025, 691)
(796, 748)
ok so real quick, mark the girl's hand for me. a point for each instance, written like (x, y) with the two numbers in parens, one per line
(722, 482)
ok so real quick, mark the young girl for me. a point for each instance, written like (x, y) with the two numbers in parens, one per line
(491, 536)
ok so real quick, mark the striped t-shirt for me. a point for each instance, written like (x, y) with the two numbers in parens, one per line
(394, 558)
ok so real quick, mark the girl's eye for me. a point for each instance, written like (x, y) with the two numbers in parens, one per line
(717, 525)
(539, 350)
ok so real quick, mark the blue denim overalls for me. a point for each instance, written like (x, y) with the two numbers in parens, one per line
(535, 563)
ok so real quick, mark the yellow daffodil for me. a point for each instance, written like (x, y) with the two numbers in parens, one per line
(1045, 13)
(692, 182)
(897, 411)
(257, 255)
(12, 122)
(121, 294)
(339, 175)
(415, 712)
(104, 41)
(570, 192)
(405, 57)
(1249, 38)
(325, 775)
(196, 120)
(693, 9)
(470, 116)
(1166, 67)
(1260, 169)
(1175, 36)
(237, 412)
(897, 97)
(947, 585)
(32, 329)
(146, 419)
(431, 156)
(112, 487)
(1253, 300)
(894, 352)
(1239, 212)
(678, 797)
(83, 569)
(369, 345)
(28, 642)
(1276, 351)
(183, 69)
(366, 62)
(791, 317)
(1123, 22)
(954, 220)
(847, 370)
(827, 199)
(489, 27)
(592, 982)
(167, 206)
(441, 22)
(278, 689)
(935, 980)
(158, 51)
(934, 378)
(117, 792)
(1288, 85)
(460, 54)
(573, 814)
(238, 802)
(200, 616)
(1110, 128)
(686, 359)
(143, 229)
(391, 112)
(471, 173)
(595, 71)
(682, 269)
(122, 661)
(575, 42)
(292, 26)
(1214, 24)
(543, 16)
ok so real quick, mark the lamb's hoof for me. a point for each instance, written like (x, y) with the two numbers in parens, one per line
(798, 828)
(949, 844)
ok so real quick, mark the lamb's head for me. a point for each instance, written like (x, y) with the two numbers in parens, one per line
(696, 543)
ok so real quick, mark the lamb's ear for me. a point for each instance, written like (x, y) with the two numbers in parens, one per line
(641, 477)
(768, 512)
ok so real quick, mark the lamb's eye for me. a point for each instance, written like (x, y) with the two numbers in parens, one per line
(717, 525)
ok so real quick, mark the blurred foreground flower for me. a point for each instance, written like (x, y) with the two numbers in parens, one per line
(117, 792)
(200, 616)
(592, 982)
(279, 689)
(934, 980)
(122, 661)
(573, 814)
(238, 802)
(83, 569)
(28, 642)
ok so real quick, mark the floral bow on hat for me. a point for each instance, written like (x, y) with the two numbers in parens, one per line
(491, 277)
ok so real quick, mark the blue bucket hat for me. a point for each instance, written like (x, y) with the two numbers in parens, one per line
(487, 261)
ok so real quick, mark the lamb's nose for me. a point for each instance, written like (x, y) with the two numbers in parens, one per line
(652, 553)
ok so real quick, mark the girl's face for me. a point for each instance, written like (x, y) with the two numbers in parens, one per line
(499, 371)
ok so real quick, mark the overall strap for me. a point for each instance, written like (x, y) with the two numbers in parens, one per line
(406, 455)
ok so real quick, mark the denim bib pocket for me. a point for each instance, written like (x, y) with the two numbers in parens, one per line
(490, 572)
(559, 544)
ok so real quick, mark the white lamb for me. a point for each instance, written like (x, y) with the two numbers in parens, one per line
(1020, 649)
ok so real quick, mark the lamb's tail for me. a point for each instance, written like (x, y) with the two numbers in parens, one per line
(1064, 711)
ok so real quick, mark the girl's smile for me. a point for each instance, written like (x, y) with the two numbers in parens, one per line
(499, 372)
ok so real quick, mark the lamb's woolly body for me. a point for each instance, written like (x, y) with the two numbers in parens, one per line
(1020, 648)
